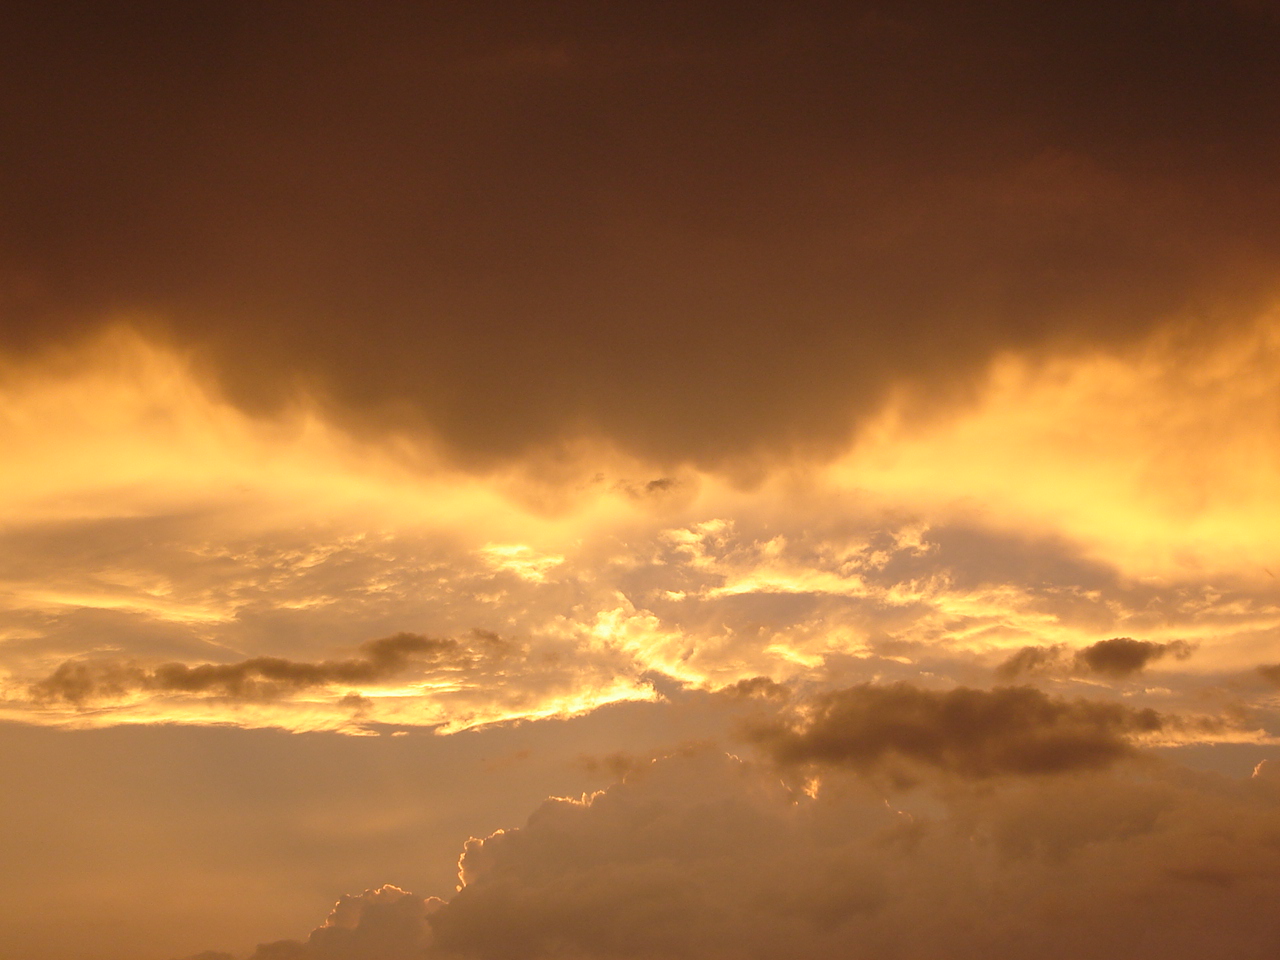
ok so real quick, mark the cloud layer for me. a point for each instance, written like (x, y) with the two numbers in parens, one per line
(179, 561)
(392, 369)
(693, 239)
(259, 677)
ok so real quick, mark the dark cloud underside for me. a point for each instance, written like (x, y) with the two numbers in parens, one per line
(258, 677)
(1122, 656)
(696, 229)
(974, 733)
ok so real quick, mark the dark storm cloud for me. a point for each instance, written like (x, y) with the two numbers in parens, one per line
(81, 681)
(973, 733)
(1118, 657)
(696, 229)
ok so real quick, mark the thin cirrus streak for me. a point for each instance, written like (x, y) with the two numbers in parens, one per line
(152, 526)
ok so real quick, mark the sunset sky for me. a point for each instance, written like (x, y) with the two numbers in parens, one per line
(583, 481)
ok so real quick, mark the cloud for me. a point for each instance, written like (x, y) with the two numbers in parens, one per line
(297, 540)
(680, 194)
(383, 924)
(402, 680)
(1123, 656)
(1118, 658)
(1271, 672)
(259, 677)
(756, 688)
(972, 733)
(1030, 660)
(699, 855)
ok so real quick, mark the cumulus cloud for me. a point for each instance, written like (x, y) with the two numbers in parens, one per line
(383, 924)
(702, 855)
(972, 733)
(1117, 658)
(1030, 660)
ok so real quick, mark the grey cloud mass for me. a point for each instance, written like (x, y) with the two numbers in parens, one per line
(1117, 658)
(1124, 656)
(973, 733)
(698, 231)
(699, 855)
(259, 677)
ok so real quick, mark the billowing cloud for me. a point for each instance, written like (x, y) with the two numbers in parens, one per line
(382, 924)
(701, 855)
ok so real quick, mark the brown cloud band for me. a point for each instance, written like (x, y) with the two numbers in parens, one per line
(258, 677)
(972, 733)
(694, 240)
(1118, 658)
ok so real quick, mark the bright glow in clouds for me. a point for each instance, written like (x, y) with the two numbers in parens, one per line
(1163, 461)
(149, 524)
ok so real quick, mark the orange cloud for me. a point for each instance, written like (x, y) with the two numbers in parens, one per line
(147, 521)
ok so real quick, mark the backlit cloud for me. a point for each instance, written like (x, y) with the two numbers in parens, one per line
(218, 567)
(702, 855)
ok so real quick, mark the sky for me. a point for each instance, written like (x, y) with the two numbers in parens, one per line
(570, 481)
